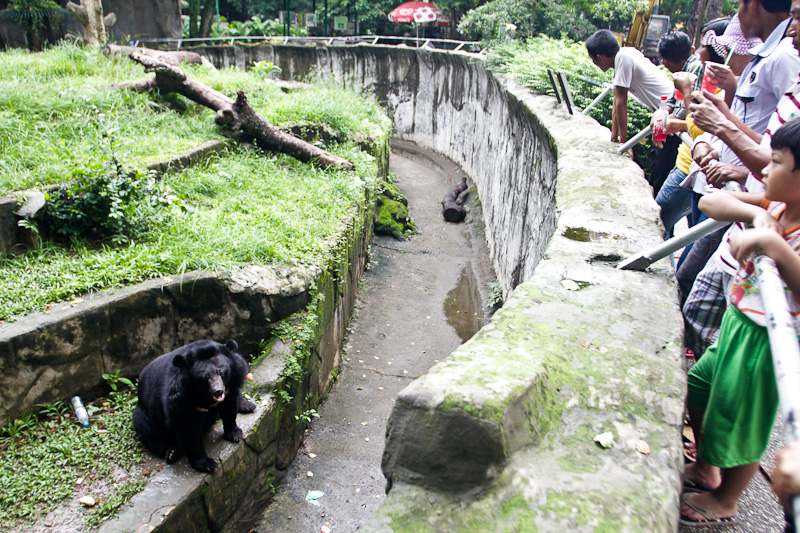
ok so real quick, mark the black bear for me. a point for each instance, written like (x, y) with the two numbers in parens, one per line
(183, 392)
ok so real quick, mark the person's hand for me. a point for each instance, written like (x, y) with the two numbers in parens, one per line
(786, 475)
(707, 115)
(653, 120)
(724, 76)
(683, 81)
(703, 153)
(765, 221)
(720, 173)
(752, 241)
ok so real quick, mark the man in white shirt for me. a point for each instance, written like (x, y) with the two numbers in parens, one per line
(635, 73)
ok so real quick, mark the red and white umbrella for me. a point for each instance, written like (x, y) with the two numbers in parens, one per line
(419, 12)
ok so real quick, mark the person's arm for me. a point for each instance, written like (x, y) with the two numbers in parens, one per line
(775, 246)
(710, 114)
(619, 120)
(727, 206)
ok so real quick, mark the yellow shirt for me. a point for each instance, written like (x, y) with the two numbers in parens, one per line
(684, 159)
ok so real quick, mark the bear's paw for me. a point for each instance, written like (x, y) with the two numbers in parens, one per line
(205, 464)
(234, 435)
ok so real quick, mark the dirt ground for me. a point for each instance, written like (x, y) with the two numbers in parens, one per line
(419, 300)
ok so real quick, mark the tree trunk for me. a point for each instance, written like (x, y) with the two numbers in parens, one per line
(714, 10)
(194, 15)
(90, 14)
(696, 21)
(452, 210)
(238, 114)
(208, 17)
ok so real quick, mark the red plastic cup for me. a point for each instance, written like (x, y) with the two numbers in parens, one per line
(679, 96)
(707, 81)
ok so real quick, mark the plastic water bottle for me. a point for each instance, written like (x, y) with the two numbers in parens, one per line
(660, 119)
(80, 411)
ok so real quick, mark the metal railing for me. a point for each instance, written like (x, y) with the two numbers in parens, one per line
(339, 40)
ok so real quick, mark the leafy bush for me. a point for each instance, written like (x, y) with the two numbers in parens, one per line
(256, 27)
(33, 16)
(554, 18)
(528, 62)
(105, 201)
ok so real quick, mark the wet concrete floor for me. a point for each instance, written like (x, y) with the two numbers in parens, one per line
(419, 300)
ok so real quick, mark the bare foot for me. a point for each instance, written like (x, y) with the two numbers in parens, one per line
(707, 501)
(703, 474)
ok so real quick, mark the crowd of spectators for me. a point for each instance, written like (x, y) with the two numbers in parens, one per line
(740, 127)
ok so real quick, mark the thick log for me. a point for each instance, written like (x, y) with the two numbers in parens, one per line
(238, 114)
(452, 209)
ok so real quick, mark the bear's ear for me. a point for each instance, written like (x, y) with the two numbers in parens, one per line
(181, 361)
(231, 345)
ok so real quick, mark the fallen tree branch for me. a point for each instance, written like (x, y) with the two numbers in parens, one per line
(237, 114)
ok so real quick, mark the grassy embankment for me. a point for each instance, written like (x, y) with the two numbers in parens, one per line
(60, 121)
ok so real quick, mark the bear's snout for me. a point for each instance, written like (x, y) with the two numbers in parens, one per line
(217, 388)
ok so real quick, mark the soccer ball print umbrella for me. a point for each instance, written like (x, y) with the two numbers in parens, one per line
(418, 12)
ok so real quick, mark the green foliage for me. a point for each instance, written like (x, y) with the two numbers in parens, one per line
(300, 329)
(491, 20)
(528, 63)
(56, 111)
(104, 201)
(258, 27)
(307, 416)
(679, 11)
(495, 295)
(265, 68)
(40, 465)
(240, 208)
(115, 382)
(33, 17)
(574, 19)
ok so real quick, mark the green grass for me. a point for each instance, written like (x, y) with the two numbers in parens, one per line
(243, 207)
(56, 108)
(43, 458)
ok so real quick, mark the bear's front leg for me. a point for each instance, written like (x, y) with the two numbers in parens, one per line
(227, 412)
(191, 442)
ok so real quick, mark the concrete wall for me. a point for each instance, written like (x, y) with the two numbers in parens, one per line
(502, 432)
(450, 103)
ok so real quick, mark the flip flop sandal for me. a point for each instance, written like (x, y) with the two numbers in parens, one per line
(710, 518)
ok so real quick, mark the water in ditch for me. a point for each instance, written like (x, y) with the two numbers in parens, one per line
(419, 300)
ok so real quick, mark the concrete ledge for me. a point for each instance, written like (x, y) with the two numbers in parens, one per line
(503, 431)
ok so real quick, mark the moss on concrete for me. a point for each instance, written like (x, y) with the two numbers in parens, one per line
(393, 219)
